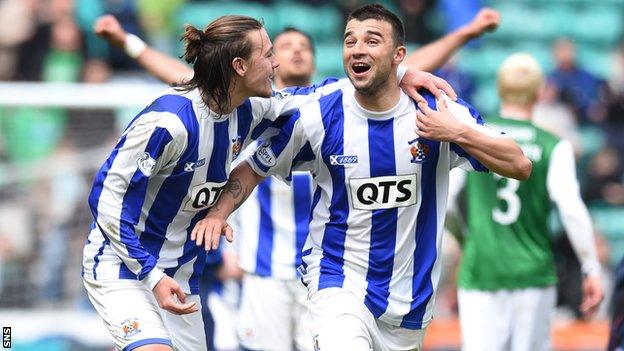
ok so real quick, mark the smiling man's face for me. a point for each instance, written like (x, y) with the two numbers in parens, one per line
(369, 54)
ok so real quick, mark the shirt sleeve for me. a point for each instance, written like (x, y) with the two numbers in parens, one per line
(563, 189)
(151, 145)
(466, 114)
(285, 152)
(269, 114)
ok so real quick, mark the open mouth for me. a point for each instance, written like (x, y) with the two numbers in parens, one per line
(360, 68)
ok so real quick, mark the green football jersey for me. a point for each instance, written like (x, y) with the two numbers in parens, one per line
(508, 245)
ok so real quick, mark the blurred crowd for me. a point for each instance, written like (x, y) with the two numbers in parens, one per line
(46, 153)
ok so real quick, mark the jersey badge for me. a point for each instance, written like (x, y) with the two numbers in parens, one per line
(146, 163)
(237, 145)
(265, 155)
(130, 327)
(419, 151)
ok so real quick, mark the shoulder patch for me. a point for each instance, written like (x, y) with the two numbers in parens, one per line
(265, 155)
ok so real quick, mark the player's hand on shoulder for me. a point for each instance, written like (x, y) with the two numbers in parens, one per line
(438, 125)
(208, 231)
(108, 28)
(592, 295)
(170, 297)
(414, 80)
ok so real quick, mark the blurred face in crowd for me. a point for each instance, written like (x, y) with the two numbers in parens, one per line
(370, 54)
(293, 51)
(565, 54)
(66, 35)
(261, 65)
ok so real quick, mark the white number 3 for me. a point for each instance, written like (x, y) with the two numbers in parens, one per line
(507, 194)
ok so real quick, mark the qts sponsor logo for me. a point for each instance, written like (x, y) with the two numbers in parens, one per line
(383, 192)
(204, 196)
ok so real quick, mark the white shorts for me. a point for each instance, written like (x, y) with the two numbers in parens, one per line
(273, 314)
(133, 317)
(340, 321)
(509, 320)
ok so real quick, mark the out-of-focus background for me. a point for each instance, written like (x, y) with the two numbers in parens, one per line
(55, 134)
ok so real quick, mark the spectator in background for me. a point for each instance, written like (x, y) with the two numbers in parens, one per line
(415, 14)
(17, 24)
(556, 117)
(577, 87)
(604, 183)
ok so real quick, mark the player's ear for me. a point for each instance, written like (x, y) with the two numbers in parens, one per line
(240, 66)
(399, 54)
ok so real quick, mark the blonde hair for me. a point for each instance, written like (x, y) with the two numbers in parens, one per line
(519, 80)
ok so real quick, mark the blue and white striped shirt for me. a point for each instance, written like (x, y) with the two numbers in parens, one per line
(166, 170)
(379, 202)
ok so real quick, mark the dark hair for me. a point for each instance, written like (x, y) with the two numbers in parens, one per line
(211, 53)
(378, 12)
(291, 29)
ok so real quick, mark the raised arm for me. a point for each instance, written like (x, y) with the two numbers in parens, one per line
(499, 154)
(433, 55)
(164, 67)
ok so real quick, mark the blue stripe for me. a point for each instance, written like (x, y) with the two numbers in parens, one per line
(150, 341)
(280, 141)
(245, 118)
(265, 235)
(190, 251)
(425, 253)
(302, 198)
(266, 124)
(476, 165)
(383, 222)
(218, 158)
(133, 203)
(305, 155)
(308, 90)
(333, 244)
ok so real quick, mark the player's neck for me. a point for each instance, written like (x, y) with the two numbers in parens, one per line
(237, 97)
(382, 99)
(292, 82)
(523, 113)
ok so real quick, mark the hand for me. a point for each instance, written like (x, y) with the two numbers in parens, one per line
(592, 295)
(414, 80)
(166, 292)
(108, 28)
(208, 231)
(486, 20)
(438, 125)
(230, 269)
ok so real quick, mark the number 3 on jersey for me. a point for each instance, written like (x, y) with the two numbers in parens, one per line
(513, 205)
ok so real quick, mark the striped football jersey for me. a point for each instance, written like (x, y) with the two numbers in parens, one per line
(379, 202)
(167, 169)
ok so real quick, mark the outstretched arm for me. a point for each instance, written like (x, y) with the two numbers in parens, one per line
(433, 55)
(241, 183)
(164, 67)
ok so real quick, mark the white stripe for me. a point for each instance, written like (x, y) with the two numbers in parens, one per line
(284, 230)
(357, 240)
